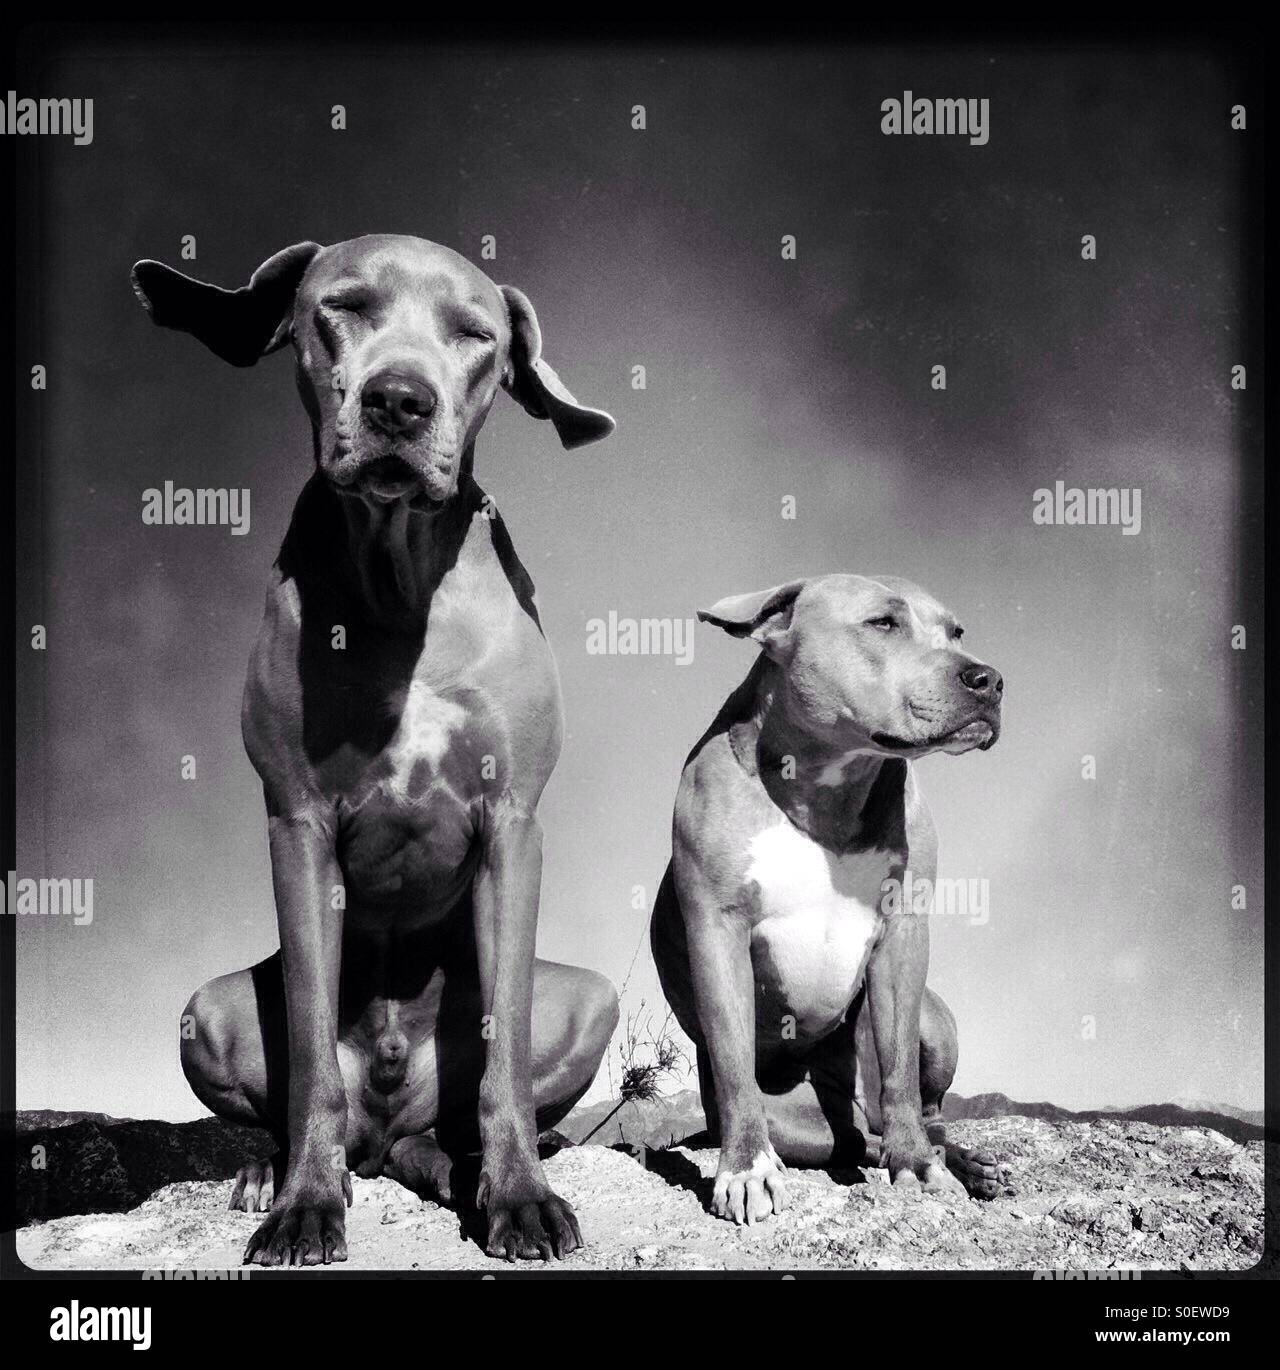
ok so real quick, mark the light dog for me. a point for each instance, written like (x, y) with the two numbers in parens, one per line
(779, 936)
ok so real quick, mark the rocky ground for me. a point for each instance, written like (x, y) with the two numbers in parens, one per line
(1092, 1195)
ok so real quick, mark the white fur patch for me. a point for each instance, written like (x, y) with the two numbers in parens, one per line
(820, 917)
(764, 1164)
(833, 772)
(426, 725)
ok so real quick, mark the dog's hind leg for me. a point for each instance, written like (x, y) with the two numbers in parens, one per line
(978, 1170)
(235, 1056)
(233, 1046)
(832, 1116)
(812, 1107)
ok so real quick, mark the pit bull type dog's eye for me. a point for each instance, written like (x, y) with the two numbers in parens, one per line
(886, 623)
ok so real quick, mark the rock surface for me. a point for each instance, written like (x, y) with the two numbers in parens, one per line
(1088, 1196)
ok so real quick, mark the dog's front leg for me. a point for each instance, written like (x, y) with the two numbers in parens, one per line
(895, 986)
(307, 1222)
(749, 1181)
(525, 1219)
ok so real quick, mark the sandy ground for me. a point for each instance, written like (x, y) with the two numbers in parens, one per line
(1088, 1196)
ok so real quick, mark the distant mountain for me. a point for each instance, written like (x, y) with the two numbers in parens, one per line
(655, 1123)
(28, 1118)
(1241, 1126)
(1246, 1115)
(1192, 1105)
(1000, 1105)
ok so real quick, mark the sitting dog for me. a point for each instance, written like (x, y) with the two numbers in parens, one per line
(403, 711)
(780, 935)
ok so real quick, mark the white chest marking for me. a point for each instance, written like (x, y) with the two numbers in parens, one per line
(427, 723)
(819, 919)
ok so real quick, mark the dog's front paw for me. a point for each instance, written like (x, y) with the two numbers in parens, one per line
(914, 1164)
(307, 1226)
(526, 1221)
(749, 1193)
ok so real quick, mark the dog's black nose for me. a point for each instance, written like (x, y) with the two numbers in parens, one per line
(985, 681)
(395, 403)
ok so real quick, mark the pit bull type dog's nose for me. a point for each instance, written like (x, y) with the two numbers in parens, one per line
(985, 681)
(396, 404)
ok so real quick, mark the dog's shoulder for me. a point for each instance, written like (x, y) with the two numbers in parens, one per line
(719, 806)
(921, 834)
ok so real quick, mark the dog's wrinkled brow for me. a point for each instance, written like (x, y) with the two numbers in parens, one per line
(922, 612)
(345, 291)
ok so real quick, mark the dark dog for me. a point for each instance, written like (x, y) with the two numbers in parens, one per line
(403, 711)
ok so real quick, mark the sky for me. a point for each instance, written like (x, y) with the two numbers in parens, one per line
(1112, 968)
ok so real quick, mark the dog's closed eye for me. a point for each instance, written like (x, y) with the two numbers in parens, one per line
(469, 327)
(348, 302)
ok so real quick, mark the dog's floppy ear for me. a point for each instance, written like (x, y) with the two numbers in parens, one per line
(536, 387)
(239, 325)
(764, 616)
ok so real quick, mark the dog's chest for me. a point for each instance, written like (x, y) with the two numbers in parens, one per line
(817, 921)
(432, 727)
(445, 727)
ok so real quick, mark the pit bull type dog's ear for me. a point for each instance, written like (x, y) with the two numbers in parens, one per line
(238, 325)
(536, 387)
(763, 616)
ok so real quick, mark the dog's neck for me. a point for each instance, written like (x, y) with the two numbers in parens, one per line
(844, 800)
(399, 556)
(394, 557)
